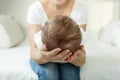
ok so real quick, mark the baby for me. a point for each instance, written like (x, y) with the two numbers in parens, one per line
(59, 32)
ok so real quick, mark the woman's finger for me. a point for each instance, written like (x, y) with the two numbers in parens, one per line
(82, 48)
(74, 56)
(54, 52)
(62, 54)
(75, 60)
(67, 56)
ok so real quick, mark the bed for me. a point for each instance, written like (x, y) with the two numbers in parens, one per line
(103, 62)
(14, 63)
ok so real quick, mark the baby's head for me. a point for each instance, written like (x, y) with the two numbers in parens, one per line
(61, 32)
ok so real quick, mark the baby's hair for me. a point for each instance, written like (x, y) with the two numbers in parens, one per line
(61, 32)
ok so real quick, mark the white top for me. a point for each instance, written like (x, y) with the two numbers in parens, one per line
(37, 14)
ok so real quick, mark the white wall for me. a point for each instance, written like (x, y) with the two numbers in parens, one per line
(16, 8)
(101, 12)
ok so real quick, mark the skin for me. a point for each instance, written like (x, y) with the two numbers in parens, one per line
(42, 56)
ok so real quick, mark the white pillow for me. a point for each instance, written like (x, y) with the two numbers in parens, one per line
(10, 33)
(111, 34)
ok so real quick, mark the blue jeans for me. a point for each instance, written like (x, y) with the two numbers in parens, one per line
(55, 71)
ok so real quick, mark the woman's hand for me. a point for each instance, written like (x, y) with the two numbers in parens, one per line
(78, 58)
(54, 55)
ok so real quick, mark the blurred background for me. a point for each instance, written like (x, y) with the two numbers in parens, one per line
(102, 40)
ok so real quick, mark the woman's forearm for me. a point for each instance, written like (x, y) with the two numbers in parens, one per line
(34, 51)
(36, 55)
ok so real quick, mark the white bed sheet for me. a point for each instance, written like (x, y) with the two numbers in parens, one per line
(14, 63)
(103, 62)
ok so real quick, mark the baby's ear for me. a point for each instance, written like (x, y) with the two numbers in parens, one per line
(44, 48)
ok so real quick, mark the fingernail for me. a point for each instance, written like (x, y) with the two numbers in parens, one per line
(58, 49)
(68, 50)
(70, 53)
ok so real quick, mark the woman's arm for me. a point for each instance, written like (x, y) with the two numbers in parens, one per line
(34, 51)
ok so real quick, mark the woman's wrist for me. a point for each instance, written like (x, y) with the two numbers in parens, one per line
(41, 61)
(38, 56)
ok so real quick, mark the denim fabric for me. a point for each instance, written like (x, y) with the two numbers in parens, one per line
(55, 71)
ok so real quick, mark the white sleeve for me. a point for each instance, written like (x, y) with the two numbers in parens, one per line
(33, 16)
(83, 36)
(82, 16)
(38, 39)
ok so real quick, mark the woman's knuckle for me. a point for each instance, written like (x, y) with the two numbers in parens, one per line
(61, 55)
(58, 57)
(65, 57)
(67, 51)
